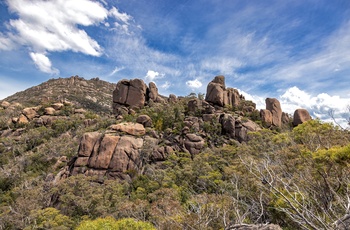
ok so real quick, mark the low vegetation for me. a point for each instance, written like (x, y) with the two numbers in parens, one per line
(297, 178)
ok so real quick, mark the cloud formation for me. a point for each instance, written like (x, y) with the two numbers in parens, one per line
(194, 84)
(56, 26)
(53, 25)
(152, 76)
(43, 63)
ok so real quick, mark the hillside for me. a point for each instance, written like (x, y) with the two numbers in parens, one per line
(93, 94)
(167, 162)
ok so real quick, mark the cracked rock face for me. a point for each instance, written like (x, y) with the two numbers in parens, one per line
(217, 93)
(108, 155)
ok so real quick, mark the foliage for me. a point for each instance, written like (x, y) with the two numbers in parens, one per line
(111, 223)
(49, 218)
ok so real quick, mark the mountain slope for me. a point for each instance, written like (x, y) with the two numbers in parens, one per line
(93, 94)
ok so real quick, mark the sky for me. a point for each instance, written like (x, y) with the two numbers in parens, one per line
(297, 51)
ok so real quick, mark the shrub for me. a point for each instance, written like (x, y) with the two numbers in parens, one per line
(111, 223)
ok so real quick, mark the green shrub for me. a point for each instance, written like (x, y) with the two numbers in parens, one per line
(110, 223)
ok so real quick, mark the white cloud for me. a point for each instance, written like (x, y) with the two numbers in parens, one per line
(166, 85)
(318, 106)
(116, 70)
(194, 83)
(223, 65)
(153, 75)
(53, 25)
(43, 63)
(124, 17)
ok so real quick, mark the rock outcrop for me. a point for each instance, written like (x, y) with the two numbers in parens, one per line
(134, 94)
(274, 106)
(129, 93)
(134, 129)
(266, 117)
(107, 155)
(301, 116)
(218, 95)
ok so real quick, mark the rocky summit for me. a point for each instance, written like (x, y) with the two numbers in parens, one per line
(75, 151)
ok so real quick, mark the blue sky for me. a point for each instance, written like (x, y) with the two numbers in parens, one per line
(295, 50)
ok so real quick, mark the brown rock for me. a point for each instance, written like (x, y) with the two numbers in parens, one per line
(15, 120)
(227, 122)
(57, 106)
(215, 91)
(102, 159)
(251, 126)
(194, 105)
(274, 106)
(231, 97)
(126, 155)
(23, 119)
(301, 116)
(129, 93)
(145, 120)
(87, 144)
(30, 113)
(5, 104)
(130, 128)
(81, 111)
(50, 111)
(153, 91)
(266, 117)
(194, 143)
(172, 98)
(285, 118)
(81, 161)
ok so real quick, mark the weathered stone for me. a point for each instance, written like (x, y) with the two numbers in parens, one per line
(208, 117)
(126, 155)
(194, 143)
(49, 111)
(241, 133)
(192, 123)
(215, 91)
(23, 119)
(81, 161)
(153, 91)
(172, 98)
(266, 117)
(232, 97)
(301, 116)
(38, 121)
(130, 128)
(5, 104)
(88, 143)
(285, 118)
(227, 122)
(274, 106)
(48, 120)
(57, 106)
(194, 105)
(30, 113)
(145, 120)
(15, 120)
(251, 126)
(80, 111)
(102, 159)
(218, 95)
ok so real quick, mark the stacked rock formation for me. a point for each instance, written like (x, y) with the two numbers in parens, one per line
(218, 95)
(134, 94)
